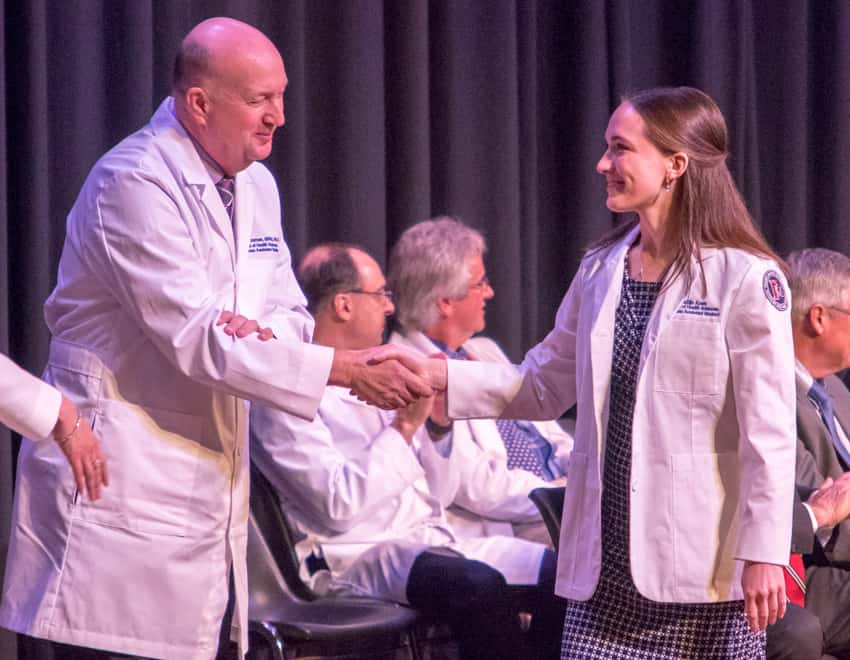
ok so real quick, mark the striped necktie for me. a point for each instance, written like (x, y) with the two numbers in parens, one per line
(821, 397)
(226, 190)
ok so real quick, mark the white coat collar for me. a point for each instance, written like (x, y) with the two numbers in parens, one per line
(191, 169)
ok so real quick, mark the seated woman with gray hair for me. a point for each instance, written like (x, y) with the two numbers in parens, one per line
(440, 288)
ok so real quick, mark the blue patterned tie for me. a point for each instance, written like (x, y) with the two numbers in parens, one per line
(820, 396)
(521, 453)
(226, 190)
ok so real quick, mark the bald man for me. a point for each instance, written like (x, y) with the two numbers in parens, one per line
(175, 303)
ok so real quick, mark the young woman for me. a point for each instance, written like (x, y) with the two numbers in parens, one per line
(675, 340)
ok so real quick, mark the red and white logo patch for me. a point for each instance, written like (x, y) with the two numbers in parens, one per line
(774, 290)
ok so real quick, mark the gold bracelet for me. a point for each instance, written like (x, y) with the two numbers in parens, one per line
(66, 438)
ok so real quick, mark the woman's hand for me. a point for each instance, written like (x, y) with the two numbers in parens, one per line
(764, 594)
(81, 447)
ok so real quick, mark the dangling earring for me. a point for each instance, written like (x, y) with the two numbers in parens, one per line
(667, 183)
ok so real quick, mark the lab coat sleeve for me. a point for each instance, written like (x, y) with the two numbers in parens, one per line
(305, 465)
(144, 249)
(441, 472)
(487, 487)
(543, 387)
(761, 355)
(560, 439)
(28, 406)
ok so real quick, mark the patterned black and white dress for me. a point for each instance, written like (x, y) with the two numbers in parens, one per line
(617, 622)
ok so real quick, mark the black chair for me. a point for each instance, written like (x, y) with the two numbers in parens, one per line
(550, 503)
(289, 620)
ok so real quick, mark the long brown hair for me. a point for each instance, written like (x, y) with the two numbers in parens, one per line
(706, 210)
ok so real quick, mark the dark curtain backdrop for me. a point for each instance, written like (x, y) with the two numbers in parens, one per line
(493, 110)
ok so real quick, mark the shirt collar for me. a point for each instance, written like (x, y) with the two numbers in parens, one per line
(804, 378)
(459, 354)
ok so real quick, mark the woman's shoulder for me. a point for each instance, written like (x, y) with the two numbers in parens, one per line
(737, 259)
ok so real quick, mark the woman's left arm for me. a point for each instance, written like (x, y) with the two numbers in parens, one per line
(761, 355)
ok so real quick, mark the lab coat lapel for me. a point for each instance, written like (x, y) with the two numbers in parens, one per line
(605, 280)
(211, 200)
(243, 218)
(185, 160)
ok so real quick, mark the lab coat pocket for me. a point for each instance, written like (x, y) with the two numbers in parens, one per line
(704, 503)
(153, 456)
(687, 357)
(256, 275)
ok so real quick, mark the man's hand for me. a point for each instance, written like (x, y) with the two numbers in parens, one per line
(385, 376)
(236, 325)
(831, 502)
(80, 446)
(433, 370)
(764, 594)
(411, 417)
(439, 414)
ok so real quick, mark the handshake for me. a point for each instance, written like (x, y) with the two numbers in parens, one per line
(386, 376)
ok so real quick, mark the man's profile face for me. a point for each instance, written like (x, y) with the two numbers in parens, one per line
(245, 109)
(370, 306)
(468, 311)
(837, 344)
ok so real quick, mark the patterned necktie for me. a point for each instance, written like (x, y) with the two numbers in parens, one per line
(521, 453)
(820, 396)
(524, 447)
(226, 190)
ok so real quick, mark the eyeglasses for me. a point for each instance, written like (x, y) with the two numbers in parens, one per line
(483, 283)
(840, 309)
(386, 293)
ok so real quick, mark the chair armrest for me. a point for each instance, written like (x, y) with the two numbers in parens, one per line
(550, 503)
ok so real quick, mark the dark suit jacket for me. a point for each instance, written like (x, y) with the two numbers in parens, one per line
(816, 460)
(827, 577)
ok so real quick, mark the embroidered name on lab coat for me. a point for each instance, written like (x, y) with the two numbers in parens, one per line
(697, 308)
(264, 244)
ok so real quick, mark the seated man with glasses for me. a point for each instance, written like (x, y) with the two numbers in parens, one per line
(367, 491)
(441, 290)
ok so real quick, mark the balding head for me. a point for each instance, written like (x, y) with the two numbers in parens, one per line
(326, 270)
(345, 289)
(211, 48)
(228, 88)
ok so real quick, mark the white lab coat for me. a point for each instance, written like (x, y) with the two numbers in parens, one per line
(367, 502)
(28, 406)
(148, 265)
(491, 498)
(713, 436)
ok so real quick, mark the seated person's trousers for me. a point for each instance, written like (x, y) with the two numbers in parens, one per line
(483, 611)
